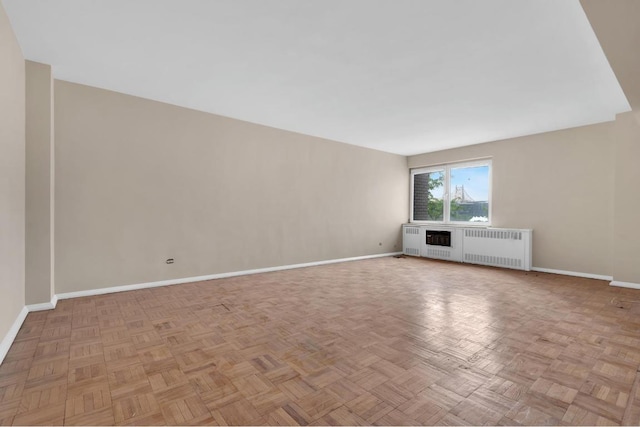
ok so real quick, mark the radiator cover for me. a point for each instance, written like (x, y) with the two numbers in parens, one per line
(411, 239)
(499, 247)
(509, 248)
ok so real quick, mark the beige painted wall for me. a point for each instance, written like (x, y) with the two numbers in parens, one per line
(626, 248)
(557, 183)
(139, 181)
(39, 175)
(616, 25)
(12, 174)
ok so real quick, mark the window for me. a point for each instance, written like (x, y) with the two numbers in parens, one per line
(456, 193)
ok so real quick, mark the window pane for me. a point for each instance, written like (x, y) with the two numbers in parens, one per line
(428, 191)
(469, 194)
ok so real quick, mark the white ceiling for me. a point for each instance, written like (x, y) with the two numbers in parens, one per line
(403, 76)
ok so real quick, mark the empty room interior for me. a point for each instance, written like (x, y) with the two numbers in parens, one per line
(284, 212)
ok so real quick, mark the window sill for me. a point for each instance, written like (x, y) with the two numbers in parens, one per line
(450, 225)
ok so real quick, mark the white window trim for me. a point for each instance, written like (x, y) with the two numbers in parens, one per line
(446, 168)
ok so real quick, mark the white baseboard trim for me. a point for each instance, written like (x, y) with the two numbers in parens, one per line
(624, 284)
(169, 282)
(572, 273)
(44, 305)
(11, 334)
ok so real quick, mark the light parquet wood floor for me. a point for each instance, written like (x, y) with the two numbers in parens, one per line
(383, 341)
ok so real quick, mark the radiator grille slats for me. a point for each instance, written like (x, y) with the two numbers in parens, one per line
(493, 260)
(438, 253)
(412, 251)
(411, 230)
(508, 248)
(493, 234)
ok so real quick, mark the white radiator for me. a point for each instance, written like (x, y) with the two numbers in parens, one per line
(411, 239)
(509, 248)
(499, 247)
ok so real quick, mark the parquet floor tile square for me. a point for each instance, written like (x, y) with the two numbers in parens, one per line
(121, 355)
(462, 381)
(368, 378)
(24, 349)
(345, 390)
(79, 373)
(319, 403)
(214, 401)
(194, 359)
(239, 412)
(599, 406)
(52, 349)
(423, 410)
(237, 370)
(492, 399)
(287, 416)
(631, 415)
(369, 407)
(553, 407)
(296, 388)
(252, 385)
(474, 413)
(390, 341)
(79, 350)
(395, 418)
(523, 414)
(102, 417)
(443, 397)
(136, 407)
(55, 333)
(49, 415)
(324, 377)
(155, 354)
(281, 374)
(8, 409)
(342, 416)
(174, 393)
(47, 374)
(576, 415)
(12, 385)
(128, 380)
(30, 330)
(88, 400)
(15, 366)
(42, 397)
(89, 333)
(393, 394)
(169, 378)
(186, 410)
(269, 401)
(553, 390)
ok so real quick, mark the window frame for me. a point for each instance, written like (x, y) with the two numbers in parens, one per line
(446, 215)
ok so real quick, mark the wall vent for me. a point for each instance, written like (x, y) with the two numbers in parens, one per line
(493, 234)
(438, 253)
(412, 251)
(493, 260)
